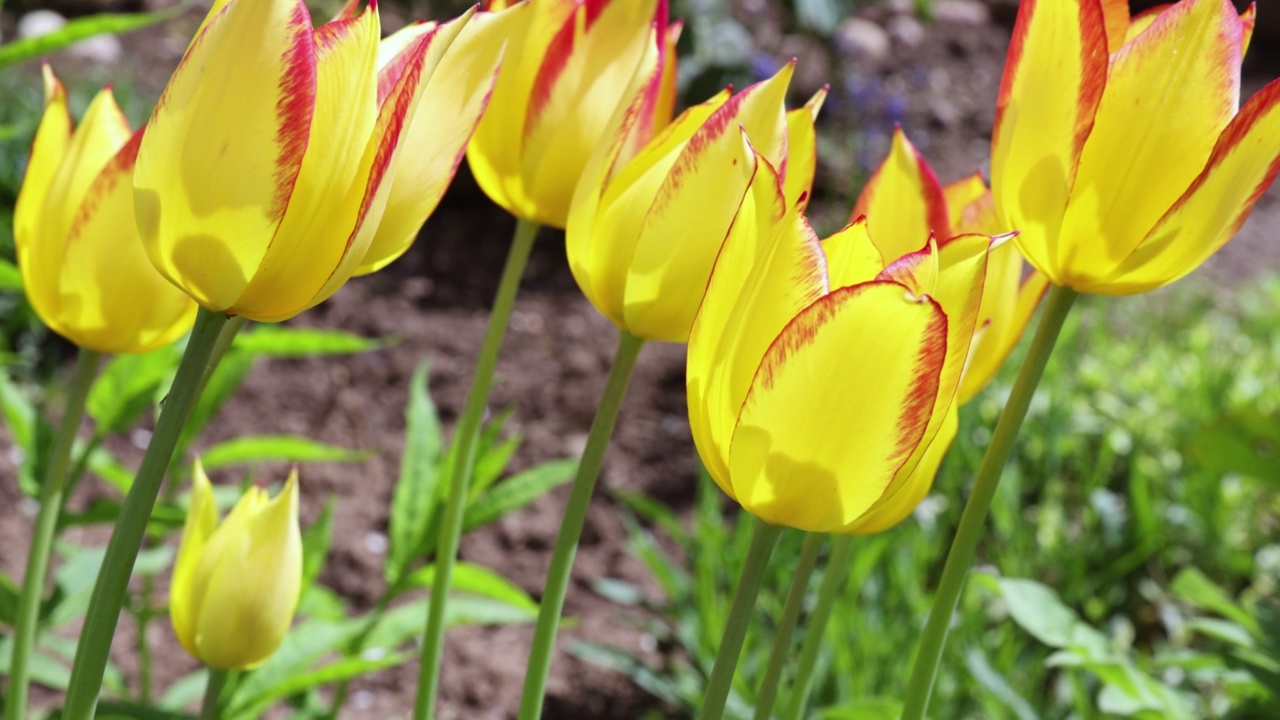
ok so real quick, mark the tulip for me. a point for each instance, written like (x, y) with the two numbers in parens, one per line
(260, 184)
(645, 229)
(236, 584)
(566, 70)
(1118, 150)
(904, 200)
(82, 264)
(822, 376)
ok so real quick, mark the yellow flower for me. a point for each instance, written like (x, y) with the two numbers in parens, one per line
(822, 375)
(646, 224)
(260, 181)
(82, 264)
(566, 70)
(904, 200)
(235, 585)
(1118, 152)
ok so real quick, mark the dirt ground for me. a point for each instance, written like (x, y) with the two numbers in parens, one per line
(940, 86)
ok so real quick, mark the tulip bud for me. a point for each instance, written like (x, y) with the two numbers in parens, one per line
(83, 266)
(566, 71)
(236, 584)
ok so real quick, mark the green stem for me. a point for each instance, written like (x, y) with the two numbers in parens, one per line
(575, 516)
(787, 625)
(464, 441)
(763, 540)
(113, 579)
(828, 591)
(974, 517)
(209, 709)
(142, 618)
(28, 617)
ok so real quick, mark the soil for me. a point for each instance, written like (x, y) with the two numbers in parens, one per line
(942, 90)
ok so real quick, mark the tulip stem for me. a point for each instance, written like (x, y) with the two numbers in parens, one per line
(210, 709)
(113, 579)
(973, 519)
(832, 582)
(28, 618)
(465, 437)
(787, 624)
(763, 539)
(575, 516)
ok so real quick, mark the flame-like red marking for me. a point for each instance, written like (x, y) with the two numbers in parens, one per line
(119, 167)
(294, 107)
(557, 57)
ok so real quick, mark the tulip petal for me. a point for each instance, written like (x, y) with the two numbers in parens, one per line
(896, 505)
(1242, 167)
(802, 148)
(112, 300)
(224, 147)
(1115, 15)
(36, 249)
(960, 195)
(202, 520)
(852, 258)
(462, 84)
(770, 268)
(903, 201)
(1053, 80)
(580, 84)
(696, 222)
(840, 402)
(664, 106)
(1140, 22)
(1169, 94)
(1002, 317)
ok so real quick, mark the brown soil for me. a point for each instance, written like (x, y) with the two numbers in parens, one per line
(551, 374)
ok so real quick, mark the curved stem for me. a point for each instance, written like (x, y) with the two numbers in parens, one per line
(832, 582)
(209, 709)
(787, 625)
(575, 516)
(973, 519)
(763, 540)
(113, 579)
(464, 441)
(28, 618)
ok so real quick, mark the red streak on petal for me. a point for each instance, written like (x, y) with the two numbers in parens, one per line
(120, 167)
(294, 108)
(412, 53)
(557, 57)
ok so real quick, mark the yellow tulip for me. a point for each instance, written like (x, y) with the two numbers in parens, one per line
(822, 376)
(1118, 151)
(260, 184)
(567, 67)
(236, 584)
(646, 224)
(904, 200)
(82, 264)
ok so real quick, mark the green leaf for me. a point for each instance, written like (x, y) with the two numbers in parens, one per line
(79, 29)
(414, 498)
(290, 685)
(10, 277)
(30, 431)
(127, 386)
(315, 544)
(275, 448)
(289, 342)
(1196, 588)
(478, 580)
(873, 708)
(517, 491)
(44, 670)
(991, 679)
(1037, 609)
(185, 691)
(105, 465)
(401, 623)
(304, 645)
(9, 594)
(491, 462)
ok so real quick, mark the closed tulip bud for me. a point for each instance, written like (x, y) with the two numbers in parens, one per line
(82, 264)
(903, 200)
(1118, 150)
(822, 375)
(270, 158)
(236, 584)
(566, 71)
(649, 218)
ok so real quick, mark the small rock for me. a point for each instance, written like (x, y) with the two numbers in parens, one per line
(943, 112)
(961, 12)
(40, 22)
(100, 49)
(907, 30)
(863, 39)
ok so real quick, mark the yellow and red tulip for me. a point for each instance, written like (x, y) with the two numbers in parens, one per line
(904, 201)
(270, 158)
(648, 220)
(1118, 151)
(236, 584)
(82, 264)
(567, 69)
(822, 376)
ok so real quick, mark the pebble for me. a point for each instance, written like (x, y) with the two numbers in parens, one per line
(863, 39)
(906, 29)
(100, 49)
(961, 12)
